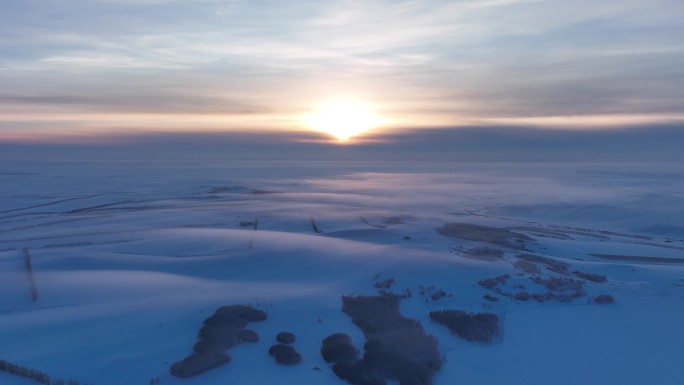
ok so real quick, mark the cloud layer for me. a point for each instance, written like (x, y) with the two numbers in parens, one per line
(117, 65)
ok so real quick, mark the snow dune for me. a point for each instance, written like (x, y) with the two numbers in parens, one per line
(128, 262)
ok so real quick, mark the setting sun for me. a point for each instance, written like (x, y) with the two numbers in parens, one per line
(343, 119)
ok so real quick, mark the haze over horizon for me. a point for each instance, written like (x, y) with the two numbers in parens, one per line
(86, 71)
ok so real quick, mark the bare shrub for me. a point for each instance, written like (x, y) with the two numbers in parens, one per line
(480, 327)
(490, 298)
(598, 278)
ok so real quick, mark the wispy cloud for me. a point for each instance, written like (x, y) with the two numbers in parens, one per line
(424, 62)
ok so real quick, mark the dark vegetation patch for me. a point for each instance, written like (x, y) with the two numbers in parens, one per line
(396, 348)
(198, 363)
(396, 220)
(604, 299)
(490, 298)
(478, 327)
(32, 374)
(526, 266)
(522, 296)
(561, 289)
(260, 192)
(248, 335)
(338, 348)
(382, 283)
(634, 258)
(223, 330)
(432, 292)
(481, 233)
(598, 278)
(551, 264)
(542, 232)
(285, 337)
(560, 284)
(285, 354)
(564, 232)
(491, 283)
(484, 254)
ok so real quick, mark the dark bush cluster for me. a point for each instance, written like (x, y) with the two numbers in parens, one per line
(561, 289)
(432, 292)
(485, 253)
(494, 235)
(284, 353)
(480, 327)
(198, 363)
(285, 337)
(33, 374)
(604, 299)
(491, 283)
(338, 347)
(25, 372)
(551, 264)
(383, 284)
(490, 298)
(396, 347)
(560, 284)
(522, 296)
(223, 330)
(526, 266)
(598, 278)
(247, 335)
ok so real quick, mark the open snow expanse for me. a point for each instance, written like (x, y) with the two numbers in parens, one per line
(129, 258)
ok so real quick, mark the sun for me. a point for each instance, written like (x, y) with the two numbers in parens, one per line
(343, 119)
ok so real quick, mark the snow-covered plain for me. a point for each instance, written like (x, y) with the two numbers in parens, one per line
(129, 258)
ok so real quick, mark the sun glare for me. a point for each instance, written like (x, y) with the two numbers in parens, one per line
(343, 119)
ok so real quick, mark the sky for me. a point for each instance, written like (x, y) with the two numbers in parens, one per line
(76, 70)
